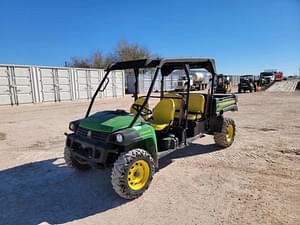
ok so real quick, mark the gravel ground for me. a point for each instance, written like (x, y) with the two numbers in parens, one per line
(255, 181)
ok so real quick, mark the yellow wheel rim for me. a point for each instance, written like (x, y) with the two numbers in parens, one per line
(138, 175)
(229, 133)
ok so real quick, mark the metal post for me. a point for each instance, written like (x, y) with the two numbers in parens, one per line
(136, 84)
(210, 97)
(10, 86)
(186, 70)
(162, 87)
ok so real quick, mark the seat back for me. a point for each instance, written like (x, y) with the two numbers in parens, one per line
(196, 103)
(163, 112)
(178, 101)
(139, 101)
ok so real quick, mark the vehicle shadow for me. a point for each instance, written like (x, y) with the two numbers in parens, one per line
(49, 191)
(191, 150)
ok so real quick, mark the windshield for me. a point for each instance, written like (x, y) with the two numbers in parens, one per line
(246, 78)
(266, 74)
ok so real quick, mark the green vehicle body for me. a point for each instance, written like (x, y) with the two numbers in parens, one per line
(225, 104)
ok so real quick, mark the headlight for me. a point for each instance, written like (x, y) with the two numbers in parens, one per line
(72, 126)
(119, 138)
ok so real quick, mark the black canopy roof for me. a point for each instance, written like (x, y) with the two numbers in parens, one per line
(167, 65)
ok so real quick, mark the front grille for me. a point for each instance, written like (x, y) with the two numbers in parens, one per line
(82, 132)
(100, 136)
(87, 152)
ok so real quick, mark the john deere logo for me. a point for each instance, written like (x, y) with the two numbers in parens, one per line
(89, 134)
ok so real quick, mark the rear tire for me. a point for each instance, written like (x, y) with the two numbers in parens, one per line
(225, 138)
(72, 162)
(132, 173)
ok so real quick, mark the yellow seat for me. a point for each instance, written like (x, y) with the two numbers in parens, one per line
(163, 114)
(140, 101)
(178, 101)
(196, 106)
(159, 127)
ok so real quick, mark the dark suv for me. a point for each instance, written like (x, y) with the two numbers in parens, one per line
(247, 83)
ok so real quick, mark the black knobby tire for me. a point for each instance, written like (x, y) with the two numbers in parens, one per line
(72, 162)
(119, 175)
(221, 137)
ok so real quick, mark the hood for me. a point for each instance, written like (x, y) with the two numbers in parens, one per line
(108, 121)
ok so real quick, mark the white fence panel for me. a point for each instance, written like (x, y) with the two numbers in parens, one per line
(63, 77)
(108, 92)
(145, 80)
(47, 80)
(6, 97)
(23, 84)
(82, 84)
(95, 78)
(119, 83)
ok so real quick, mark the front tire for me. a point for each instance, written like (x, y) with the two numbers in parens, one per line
(72, 162)
(132, 173)
(225, 138)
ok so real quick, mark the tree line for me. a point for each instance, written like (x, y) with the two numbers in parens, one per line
(123, 51)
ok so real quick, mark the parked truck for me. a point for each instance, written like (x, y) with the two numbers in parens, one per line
(271, 75)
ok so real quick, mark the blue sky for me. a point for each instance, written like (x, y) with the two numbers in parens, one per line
(244, 36)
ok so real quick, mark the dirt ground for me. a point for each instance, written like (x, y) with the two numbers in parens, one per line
(255, 181)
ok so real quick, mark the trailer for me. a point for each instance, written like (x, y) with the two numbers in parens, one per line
(199, 80)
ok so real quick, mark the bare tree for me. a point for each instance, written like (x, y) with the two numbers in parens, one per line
(98, 60)
(127, 51)
(123, 51)
(79, 62)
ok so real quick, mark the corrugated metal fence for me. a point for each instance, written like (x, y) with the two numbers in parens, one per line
(235, 79)
(33, 84)
(170, 82)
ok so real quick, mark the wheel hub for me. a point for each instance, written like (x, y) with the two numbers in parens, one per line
(138, 174)
(229, 132)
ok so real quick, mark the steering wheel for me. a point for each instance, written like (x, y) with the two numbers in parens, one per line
(145, 110)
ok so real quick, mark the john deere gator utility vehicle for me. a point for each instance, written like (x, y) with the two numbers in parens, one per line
(133, 141)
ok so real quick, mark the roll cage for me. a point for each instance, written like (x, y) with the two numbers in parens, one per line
(165, 66)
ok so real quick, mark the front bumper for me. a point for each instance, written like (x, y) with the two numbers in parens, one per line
(245, 86)
(89, 150)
